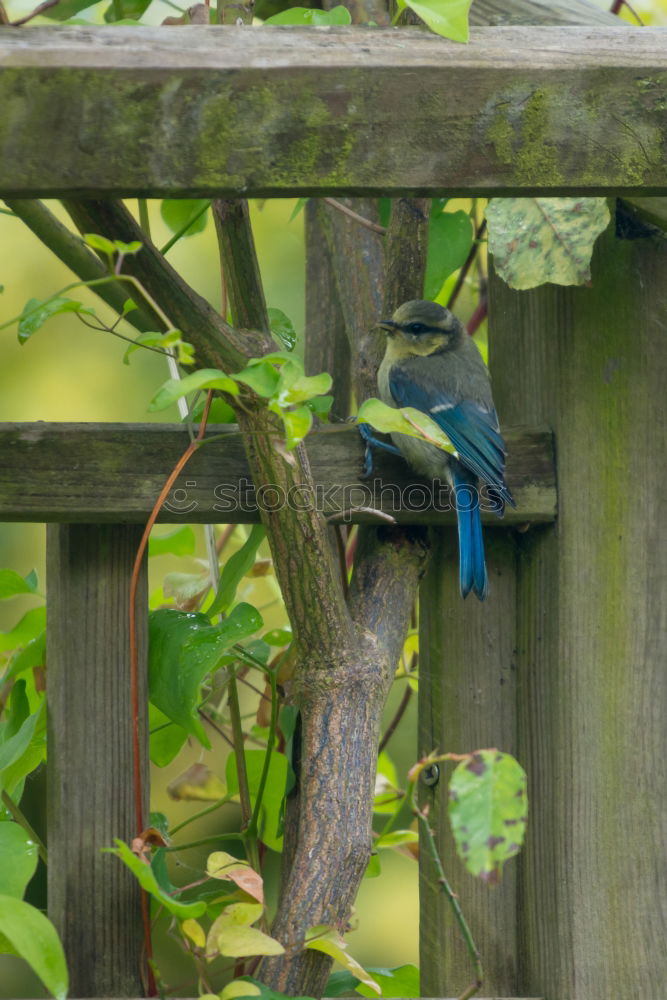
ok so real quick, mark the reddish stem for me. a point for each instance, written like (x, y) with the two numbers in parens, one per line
(134, 671)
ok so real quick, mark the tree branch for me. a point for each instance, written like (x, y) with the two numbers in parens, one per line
(74, 253)
(216, 343)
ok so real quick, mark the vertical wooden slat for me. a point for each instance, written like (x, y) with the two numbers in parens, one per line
(93, 900)
(592, 625)
(467, 698)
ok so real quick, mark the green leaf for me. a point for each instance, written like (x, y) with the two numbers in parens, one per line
(30, 626)
(278, 637)
(130, 9)
(320, 406)
(235, 569)
(184, 216)
(16, 712)
(282, 327)
(204, 378)
(164, 341)
(100, 243)
(261, 376)
(488, 811)
(219, 412)
(179, 542)
(18, 859)
(297, 424)
(386, 786)
(374, 867)
(127, 249)
(259, 990)
(12, 583)
(328, 940)
(18, 750)
(36, 312)
(298, 208)
(183, 649)
(397, 838)
(32, 655)
(296, 387)
(272, 803)
(393, 421)
(166, 738)
(303, 16)
(400, 982)
(448, 18)
(538, 240)
(147, 881)
(450, 236)
(33, 937)
(66, 9)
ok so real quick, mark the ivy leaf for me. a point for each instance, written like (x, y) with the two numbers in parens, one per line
(18, 859)
(488, 811)
(448, 18)
(26, 932)
(183, 649)
(389, 420)
(450, 236)
(184, 216)
(146, 878)
(539, 240)
(36, 312)
(235, 569)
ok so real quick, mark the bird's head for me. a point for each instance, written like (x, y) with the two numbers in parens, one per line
(421, 327)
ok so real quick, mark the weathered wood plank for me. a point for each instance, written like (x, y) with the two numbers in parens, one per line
(212, 111)
(592, 625)
(114, 472)
(467, 701)
(93, 898)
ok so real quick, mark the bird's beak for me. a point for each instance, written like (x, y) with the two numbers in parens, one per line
(388, 325)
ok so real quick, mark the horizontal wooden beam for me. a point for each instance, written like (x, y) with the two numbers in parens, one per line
(114, 473)
(274, 111)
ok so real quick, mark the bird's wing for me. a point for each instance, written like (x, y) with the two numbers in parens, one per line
(471, 427)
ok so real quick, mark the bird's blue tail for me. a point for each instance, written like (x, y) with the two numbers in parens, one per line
(472, 567)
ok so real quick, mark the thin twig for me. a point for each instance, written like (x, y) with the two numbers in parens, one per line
(463, 273)
(373, 226)
(400, 712)
(35, 13)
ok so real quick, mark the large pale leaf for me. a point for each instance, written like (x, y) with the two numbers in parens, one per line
(26, 932)
(488, 810)
(183, 649)
(539, 240)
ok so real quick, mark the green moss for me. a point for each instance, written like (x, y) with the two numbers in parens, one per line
(519, 133)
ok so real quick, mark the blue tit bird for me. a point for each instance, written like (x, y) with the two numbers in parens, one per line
(433, 365)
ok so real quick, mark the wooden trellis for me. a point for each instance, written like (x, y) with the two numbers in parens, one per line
(564, 665)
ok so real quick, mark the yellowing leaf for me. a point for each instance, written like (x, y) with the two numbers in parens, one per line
(231, 934)
(329, 941)
(225, 866)
(389, 420)
(239, 988)
(195, 932)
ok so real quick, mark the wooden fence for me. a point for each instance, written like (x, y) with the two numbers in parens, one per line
(564, 665)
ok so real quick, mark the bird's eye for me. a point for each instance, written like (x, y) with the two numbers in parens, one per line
(417, 328)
